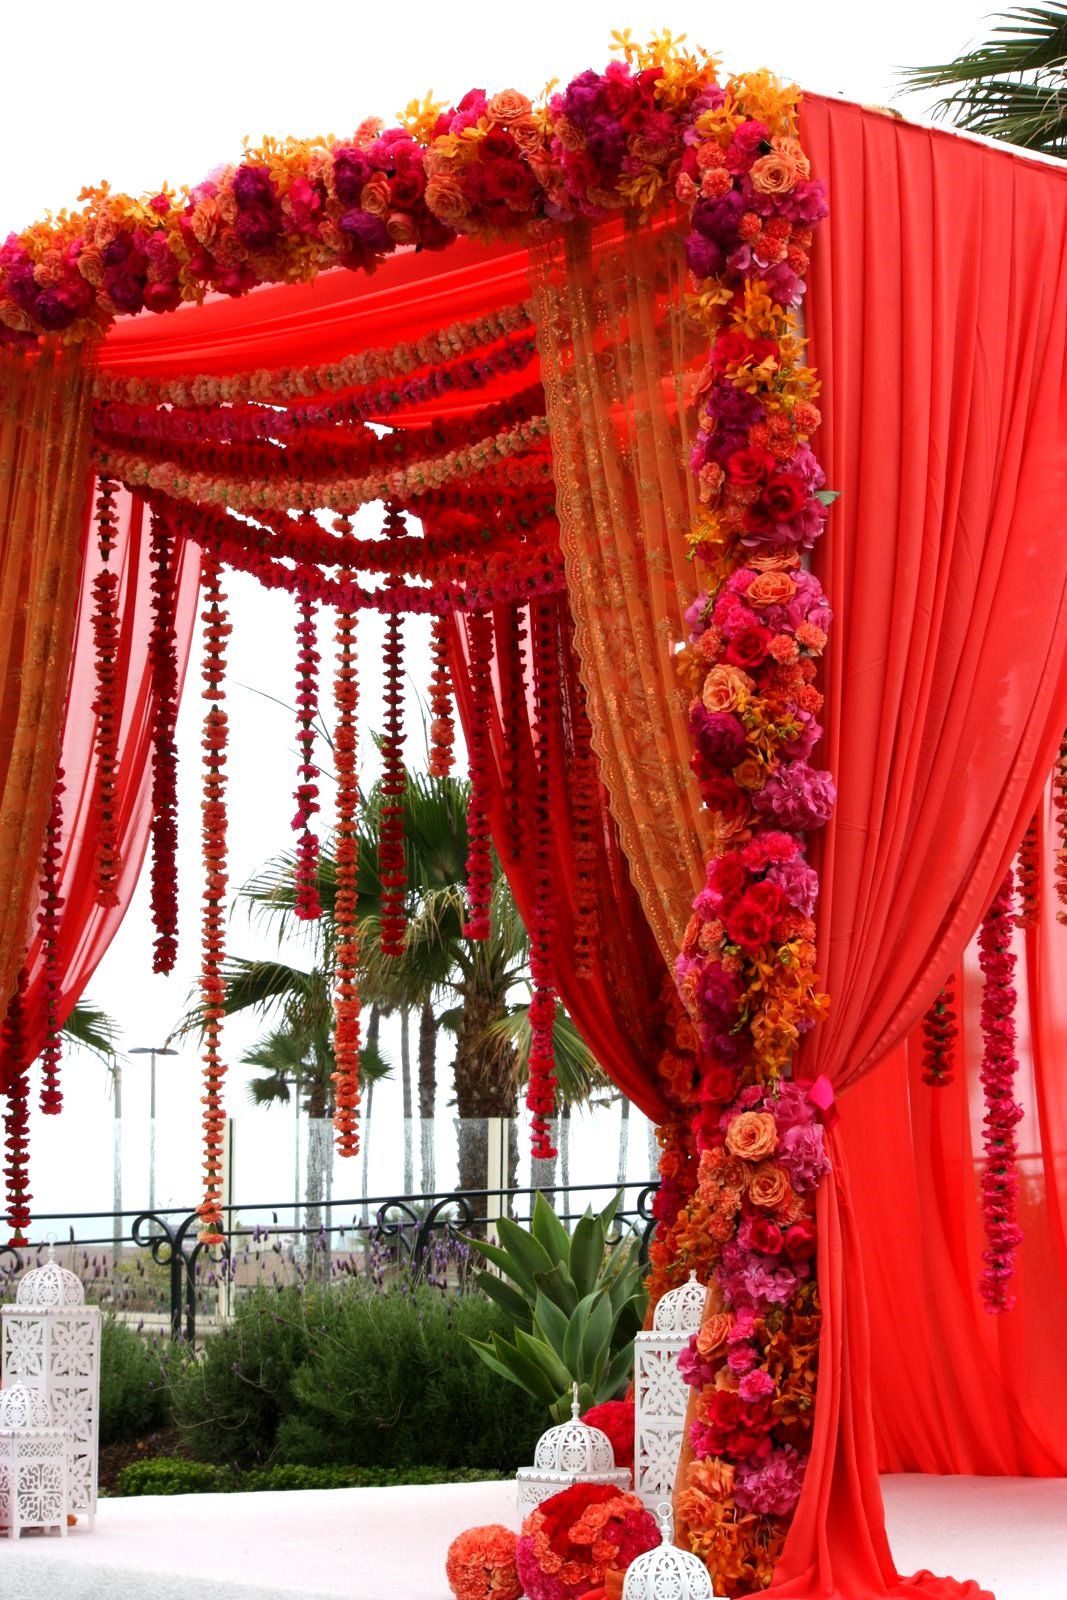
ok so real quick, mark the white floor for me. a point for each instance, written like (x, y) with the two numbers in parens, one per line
(389, 1544)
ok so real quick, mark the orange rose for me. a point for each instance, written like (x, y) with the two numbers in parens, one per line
(750, 774)
(375, 195)
(713, 1334)
(775, 174)
(526, 134)
(725, 688)
(771, 589)
(570, 137)
(783, 561)
(91, 264)
(508, 106)
(445, 198)
(769, 1188)
(401, 230)
(752, 1135)
(793, 149)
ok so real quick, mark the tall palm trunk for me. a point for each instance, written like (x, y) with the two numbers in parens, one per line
(427, 1095)
(374, 1022)
(624, 1140)
(565, 1147)
(485, 1084)
(405, 1085)
(319, 1159)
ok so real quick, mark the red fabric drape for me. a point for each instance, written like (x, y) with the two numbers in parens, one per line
(945, 393)
(954, 1389)
(86, 929)
(615, 1008)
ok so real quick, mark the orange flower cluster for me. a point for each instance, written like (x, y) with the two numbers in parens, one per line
(481, 1564)
(213, 828)
(345, 1077)
(442, 725)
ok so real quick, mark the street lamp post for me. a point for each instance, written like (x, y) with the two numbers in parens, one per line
(152, 1050)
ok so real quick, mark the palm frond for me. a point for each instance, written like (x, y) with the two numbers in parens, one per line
(91, 1029)
(579, 1076)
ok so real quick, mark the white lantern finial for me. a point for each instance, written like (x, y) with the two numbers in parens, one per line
(575, 1407)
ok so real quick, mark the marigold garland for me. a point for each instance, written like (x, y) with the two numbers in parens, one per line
(105, 623)
(1059, 801)
(442, 725)
(17, 1114)
(479, 858)
(345, 1077)
(213, 834)
(940, 1031)
(163, 662)
(392, 856)
(541, 1083)
(513, 696)
(306, 878)
(1000, 1180)
(48, 922)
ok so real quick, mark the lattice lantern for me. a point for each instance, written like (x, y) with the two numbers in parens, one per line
(660, 1392)
(34, 1462)
(572, 1452)
(51, 1342)
(667, 1573)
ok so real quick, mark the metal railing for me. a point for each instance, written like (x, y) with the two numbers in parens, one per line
(393, 1231)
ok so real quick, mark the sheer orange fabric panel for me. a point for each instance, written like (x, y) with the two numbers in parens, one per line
(44, 452)
(615, 346)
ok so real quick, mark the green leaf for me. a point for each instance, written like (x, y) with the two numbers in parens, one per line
(506, 1263)
(549, 1231)
(598, 1333)
(576, 1331)
(541, 1355)
(550, 1321)
(587, 1253)
(510, 1301)
(509, 1363)
(559, 1286)
(617, 1377)
(523, 1249)
(827, 496)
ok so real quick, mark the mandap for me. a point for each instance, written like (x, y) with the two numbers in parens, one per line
(720, 434)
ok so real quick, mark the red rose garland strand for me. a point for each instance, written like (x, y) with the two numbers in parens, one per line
(48, 923)
(999, 1066)
(345, 1077)
(308, 905)
(392, 861)
(163, 660)
(940, 1031)
(1059, 799)
(442, 724)
(479, 859)
(541, 1086)
(17, 1115)
(105, 647)
(1028, 877)
(213, 922)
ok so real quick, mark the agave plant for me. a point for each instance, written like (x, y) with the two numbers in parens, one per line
(575, 1302)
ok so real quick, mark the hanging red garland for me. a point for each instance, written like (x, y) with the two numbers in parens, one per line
(163, 661)
(1059, 798)
(48, 923)
(513, 694)
(17, 1115)
(999, 1065)
(345, 1077)
(479, 859)
(217, 629)
(1028, 878)
(392, 862)
(308, 905)
(541, 1086)
(442, 724)
(940, 1031)
(105, 623)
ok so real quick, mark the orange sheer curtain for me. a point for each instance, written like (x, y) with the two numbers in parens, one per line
(616, 350)
(44, 453)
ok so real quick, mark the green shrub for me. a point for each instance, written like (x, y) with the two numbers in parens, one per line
(133, 1383)
(169, 1475)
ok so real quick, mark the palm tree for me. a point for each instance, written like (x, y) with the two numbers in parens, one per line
(1014, 87)
(91, 1029)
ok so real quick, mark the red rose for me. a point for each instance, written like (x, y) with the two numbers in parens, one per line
(752, 921)
(801, 1240)
(408, 187)
(728, 877)
(509, 181)
(784, 496)
(750, 467)
(764, 1235)
(722, 794)
(758, 517)
(734, 348)
(749, 648)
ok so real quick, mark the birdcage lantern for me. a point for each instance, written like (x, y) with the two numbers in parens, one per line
(667, 1573)
(34, 1462)
(660, 1391)
(571, 1452)
(50, 1341)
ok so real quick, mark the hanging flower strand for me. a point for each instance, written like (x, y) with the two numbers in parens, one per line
(479, 859)
(442, 724)
(345, 1077)
(105, 622)
(213, 832)
(48, 920)
(1000, 1180)
(17, 1114)
(940, 1031)
(392, 863)
(308, 906)
(541, 1086)
(1028, 877)
(163, 661)
(1059, 800)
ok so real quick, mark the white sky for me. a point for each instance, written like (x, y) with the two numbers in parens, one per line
(138, 94)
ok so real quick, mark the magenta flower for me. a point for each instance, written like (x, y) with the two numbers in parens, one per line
(797, 796)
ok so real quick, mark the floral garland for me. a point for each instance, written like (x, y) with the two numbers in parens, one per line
(442, 724)
(306, 879)
(17, 1113)
(541, 1083)
(48, 922)
(345, 1077)
(1028, 876)
(1000, 1180)
(392, 857)
(1059, 802)
(940, 1031)
(163, 661)
(490, 165)
(213, 835)
(479, 856)
(105, 621)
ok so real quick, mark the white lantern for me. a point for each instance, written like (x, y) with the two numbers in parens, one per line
(51, 1342)
(667, 1573)
(34, 1458)
(571, 1452)
(661, 1394)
